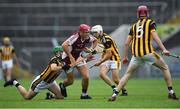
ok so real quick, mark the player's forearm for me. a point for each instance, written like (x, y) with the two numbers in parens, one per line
(95, 42)
(158, 41)
(106, 56)
(161, 45)
(58, 68)
(126, 47)
(79, 60)
(55, 67)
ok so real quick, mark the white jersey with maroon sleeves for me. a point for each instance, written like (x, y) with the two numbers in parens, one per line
(76, 46)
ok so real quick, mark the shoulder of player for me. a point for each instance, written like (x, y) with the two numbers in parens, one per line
(133, 25)
(74, 36)
(106, 36)
(151, 20)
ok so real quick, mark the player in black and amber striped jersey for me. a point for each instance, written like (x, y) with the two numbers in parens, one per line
(141, 35)
(110, 59)
(46, 80)
(7, 54)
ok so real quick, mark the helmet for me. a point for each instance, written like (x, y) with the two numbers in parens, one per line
(58, 49)
(84, 27)
(97, 29)
(142, 11)
(6, 40)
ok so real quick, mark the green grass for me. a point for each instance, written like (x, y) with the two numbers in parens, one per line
(148, 93)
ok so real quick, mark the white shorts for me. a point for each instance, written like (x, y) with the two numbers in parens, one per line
(37, 85)
(71, 69)
(112, 64)
(149, 58)
(7, 64)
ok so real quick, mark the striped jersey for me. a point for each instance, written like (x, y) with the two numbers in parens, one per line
(109, 44)
(48, 75)
(140, 33)
(6, 52)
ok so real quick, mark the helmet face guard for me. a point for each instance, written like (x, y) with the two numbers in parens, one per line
(97, 30)
(142, 11)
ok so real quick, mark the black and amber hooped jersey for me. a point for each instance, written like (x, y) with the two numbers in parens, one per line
(48, 75)
(110, 44)
(6, 53)
(141, 37)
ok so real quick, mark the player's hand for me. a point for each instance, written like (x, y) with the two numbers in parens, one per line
(125, 60)
(98, 63)
(90, 50)
(73, 61)
(166, 52)
(60, 64)
(87, 50)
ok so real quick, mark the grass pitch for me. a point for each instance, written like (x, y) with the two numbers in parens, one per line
(149, 93)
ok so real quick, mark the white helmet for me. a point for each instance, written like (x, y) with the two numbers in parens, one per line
(98, 29)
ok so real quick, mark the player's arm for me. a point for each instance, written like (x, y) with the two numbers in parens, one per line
(56, 67)
(157, 39)
(95, 42)
(66, 49)
(79, 59)
(126, 45)
(65, 46)
(107, 54)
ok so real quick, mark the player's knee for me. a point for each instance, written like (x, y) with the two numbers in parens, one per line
(101, 75)
(166, 67)
(70, 81)
(86, 77)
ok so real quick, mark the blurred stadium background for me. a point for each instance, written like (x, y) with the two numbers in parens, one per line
(35, 26)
